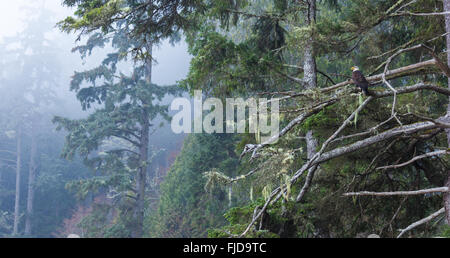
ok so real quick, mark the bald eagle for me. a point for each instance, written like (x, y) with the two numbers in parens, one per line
(360, 80)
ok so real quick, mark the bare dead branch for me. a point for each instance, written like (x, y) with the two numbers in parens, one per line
(439, 63)
(418, 192)
(412, 88)
(307, 184)
(391, 74)
(426, 155)
(401, 130)
(420, 222)
(385, 81)
(419, 14)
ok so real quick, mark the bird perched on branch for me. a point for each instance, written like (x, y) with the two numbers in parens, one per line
(359, 80)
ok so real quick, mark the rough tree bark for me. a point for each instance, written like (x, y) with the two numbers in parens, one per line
(309, 63)
(447, 29)
(31, 183)
(18, 168)
(310, 76)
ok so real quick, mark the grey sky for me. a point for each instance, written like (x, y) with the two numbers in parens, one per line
(173, 61)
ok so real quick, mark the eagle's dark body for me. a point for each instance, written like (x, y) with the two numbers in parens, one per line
(360, 81)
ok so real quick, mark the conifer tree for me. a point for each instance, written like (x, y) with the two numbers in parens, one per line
(115, 138)
(30, 74)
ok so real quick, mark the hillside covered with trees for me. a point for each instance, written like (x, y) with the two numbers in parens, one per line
(360, 89)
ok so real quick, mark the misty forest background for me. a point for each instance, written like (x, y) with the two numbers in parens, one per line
(86, 146)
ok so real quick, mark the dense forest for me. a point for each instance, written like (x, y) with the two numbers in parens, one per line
(355, 92)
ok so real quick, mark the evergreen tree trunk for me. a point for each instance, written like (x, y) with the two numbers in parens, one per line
(31, 183)
(18, 167)
(141, 180)
(447, 29)
(309, 63)
(310, 73)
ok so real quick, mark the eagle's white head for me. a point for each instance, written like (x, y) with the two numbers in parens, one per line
(355, 68)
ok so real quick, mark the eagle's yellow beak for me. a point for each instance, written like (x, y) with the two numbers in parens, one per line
(353, 68)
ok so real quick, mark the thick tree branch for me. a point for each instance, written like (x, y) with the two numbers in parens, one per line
(420, 222)
(390, 74)
(375, 79)
(338, 152)
(310, 175)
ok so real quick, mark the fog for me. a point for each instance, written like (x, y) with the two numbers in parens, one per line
(172, 61)
(37, 66)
